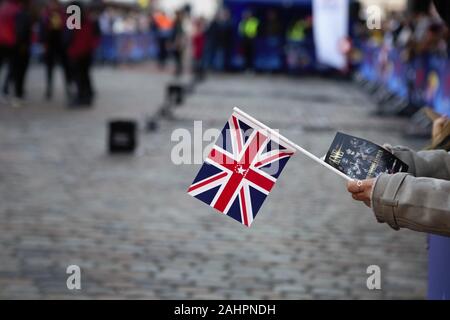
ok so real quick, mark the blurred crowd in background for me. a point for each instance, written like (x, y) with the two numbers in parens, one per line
(416, 33)
(225, 42)
(265, 38)
(408, 59)
(25, 27)
(111, 33)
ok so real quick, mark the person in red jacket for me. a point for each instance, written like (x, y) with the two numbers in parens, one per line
(81, 48)
(15, 38)
(198, 46)
(9, 10)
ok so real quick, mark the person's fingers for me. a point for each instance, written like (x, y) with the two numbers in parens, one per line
(361, 196)
(352, 186)
(358, 196)
(357, 186)
(361, 190)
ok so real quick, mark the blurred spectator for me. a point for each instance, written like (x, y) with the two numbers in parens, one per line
(299, 30)
(106, 21)
(299, 44)
(9, 10)
(21, 53)
(17, 40)
(118, 24)
(82, 44)
(52, 26)
(433, 40)
(211, 34)
(272, 27)
(198, 45)
(163, 28)
(220, 35)
(178, 42)
(248, 31)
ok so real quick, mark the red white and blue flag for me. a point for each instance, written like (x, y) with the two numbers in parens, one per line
(242, 168)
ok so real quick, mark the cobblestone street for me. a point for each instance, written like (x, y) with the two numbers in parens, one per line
(135, 233)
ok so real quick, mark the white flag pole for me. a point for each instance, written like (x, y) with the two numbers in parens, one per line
(293, 145)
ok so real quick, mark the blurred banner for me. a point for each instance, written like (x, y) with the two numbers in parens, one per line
(331, 20)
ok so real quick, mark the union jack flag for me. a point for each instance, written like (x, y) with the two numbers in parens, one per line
(241, 169)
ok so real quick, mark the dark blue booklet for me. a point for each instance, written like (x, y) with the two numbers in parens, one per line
(361, 159)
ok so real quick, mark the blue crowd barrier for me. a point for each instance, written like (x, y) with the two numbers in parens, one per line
(441, 92)
(127, 47)
(368, 67)
(356, 56)
(269, 55)
(424, 80)
(397, 79)
(275, 54)
(438, 266)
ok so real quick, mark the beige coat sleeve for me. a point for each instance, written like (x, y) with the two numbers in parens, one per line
(420, 202)
(433, 163)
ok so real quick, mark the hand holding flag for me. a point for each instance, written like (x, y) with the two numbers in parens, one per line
(243, 166)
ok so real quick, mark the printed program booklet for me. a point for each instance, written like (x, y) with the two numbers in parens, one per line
(361, 159)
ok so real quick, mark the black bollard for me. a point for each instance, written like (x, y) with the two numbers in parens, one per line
(151, 125)
(190, 87)
(122, 136)
(175, 93)
(166, 111)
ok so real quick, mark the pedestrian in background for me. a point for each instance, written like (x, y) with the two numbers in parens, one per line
(9, 11)
(198, 46)
(16, 36)
(162, 27)
(225, 39)
(21, 54)
(178, 42)
(248, 31)
(51, 27)
(82, 44)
